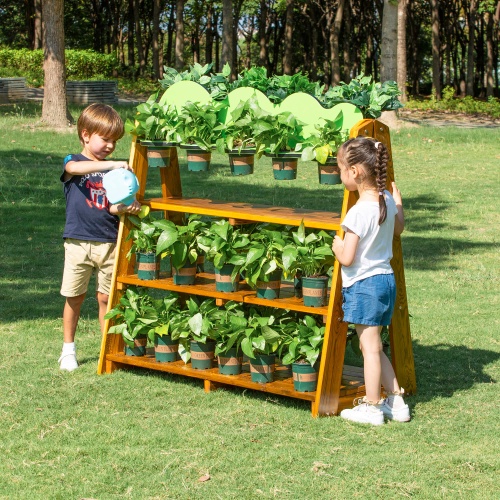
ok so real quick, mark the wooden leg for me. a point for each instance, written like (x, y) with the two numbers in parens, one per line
(210, 386)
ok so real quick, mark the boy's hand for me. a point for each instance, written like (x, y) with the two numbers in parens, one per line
(133, 209)
(120, 164)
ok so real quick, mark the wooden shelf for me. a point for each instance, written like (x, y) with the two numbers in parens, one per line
(248, 212)
(352, 381)
(205, 286)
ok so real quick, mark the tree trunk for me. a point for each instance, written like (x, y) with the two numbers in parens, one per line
(54, 108)
(37, 29)
(287, 57)
(138, 35)
(401, 58)
(179, 35)
(470, 48)
(263, 33)
(436, 49)
(156, 33)
(227, 33)
(130, 34)
(334, 43)
(209, 36)
(348, 32)
(170, 35)
(389, 48)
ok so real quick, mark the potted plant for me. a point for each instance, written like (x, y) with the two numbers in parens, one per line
(156, 125)
(198, 131)
(322, 147)
(196, 330)
(303, 342)
(225, 246)
(134, 318)
(180, 243)
(144, 236)
(167, 310)
(280, 137)
(237, 137)
(263, 265)
(310, 256)
(228, 339)
(260, 344)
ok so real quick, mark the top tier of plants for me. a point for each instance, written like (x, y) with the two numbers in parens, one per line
(369, 96)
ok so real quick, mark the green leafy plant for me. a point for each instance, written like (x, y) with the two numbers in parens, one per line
(238, 131)
(180, 242)
(198, 124)
(264, 253)
(310, 253)
(277, 133)
(167, 310)
(259, 336)
(154, 121)
(325, 143)
(369, 96)
(231, 330)
(144, 235)
(134, 316)
(303, 341)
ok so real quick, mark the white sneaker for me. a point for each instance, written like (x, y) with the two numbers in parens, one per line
(394, 408)
(68, 362)
(363, 413)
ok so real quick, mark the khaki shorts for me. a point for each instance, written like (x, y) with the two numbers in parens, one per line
(81, 259)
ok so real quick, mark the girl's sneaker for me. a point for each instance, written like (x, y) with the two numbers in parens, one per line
(364, 413)
(394, 407)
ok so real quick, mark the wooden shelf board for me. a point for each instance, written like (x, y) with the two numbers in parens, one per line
(249, 212)
(282, 385)
(205, 286)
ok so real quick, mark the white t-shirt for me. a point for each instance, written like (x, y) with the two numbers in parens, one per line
(374, 250)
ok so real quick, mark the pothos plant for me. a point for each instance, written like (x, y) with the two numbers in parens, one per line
(154, 121)
(144, 235)
(277, 133)
(369, 96)
(180, 242)
(134, 316)
(326, 141)
(224, 244)
(264, 254)
(310, 253)
(303, 341)
(238, 131)
(197, 124)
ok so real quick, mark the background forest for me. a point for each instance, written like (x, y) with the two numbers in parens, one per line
(423, 44)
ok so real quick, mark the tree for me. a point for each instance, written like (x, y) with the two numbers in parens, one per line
(287, 59)
(54, 108)
(401, 50)
(227, 33)
(389, 49)
(470, 47)
(179, 35)
(436, 48)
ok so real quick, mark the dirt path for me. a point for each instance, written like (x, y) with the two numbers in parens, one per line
(446, 119)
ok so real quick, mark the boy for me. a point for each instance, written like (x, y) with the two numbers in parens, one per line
(91, 223)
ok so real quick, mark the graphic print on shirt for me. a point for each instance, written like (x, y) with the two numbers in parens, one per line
(97, 192)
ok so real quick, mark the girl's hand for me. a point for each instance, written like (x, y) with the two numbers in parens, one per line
(396, 194)
(338, 244)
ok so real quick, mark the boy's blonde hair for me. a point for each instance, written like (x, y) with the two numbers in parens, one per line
(100, 119)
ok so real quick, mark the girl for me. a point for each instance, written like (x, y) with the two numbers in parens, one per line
(368, 285)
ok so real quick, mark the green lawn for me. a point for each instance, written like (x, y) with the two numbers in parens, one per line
(144, 435)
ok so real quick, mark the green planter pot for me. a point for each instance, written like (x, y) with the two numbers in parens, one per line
(200, 264)
(185, 275)
(242, 163)
(262, 368)
(165, 267)
(139, 348)
(223, 281)
(329, 173)
(314, 291)
(305, 377)
(270, 289)
(230, 362)
(148, 266)
(297, 286)
(198, 159)
(202, 355)
(165, 349)
(284, 169)
(158, 153)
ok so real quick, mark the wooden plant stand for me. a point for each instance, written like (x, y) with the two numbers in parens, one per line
(338, 385)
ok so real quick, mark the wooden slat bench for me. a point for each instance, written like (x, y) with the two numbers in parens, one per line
(12, 89)
(90, 91)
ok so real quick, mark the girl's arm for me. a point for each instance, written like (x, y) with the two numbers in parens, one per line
(345, 250)
(399, 224)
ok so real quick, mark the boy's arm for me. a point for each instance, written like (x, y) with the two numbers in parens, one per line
(399, 224)
(88, 167)
(119, 208)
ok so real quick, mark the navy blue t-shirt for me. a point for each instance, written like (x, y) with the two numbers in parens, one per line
(87, 208)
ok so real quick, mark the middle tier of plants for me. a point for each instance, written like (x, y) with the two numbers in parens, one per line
(261, 254)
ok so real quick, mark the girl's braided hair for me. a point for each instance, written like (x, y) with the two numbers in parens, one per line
(373, 156)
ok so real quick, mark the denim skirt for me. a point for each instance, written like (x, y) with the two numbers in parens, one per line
(370, 301)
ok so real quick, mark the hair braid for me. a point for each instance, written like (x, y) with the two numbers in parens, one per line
(381, 177)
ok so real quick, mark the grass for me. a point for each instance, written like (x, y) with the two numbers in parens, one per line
(143, 435)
